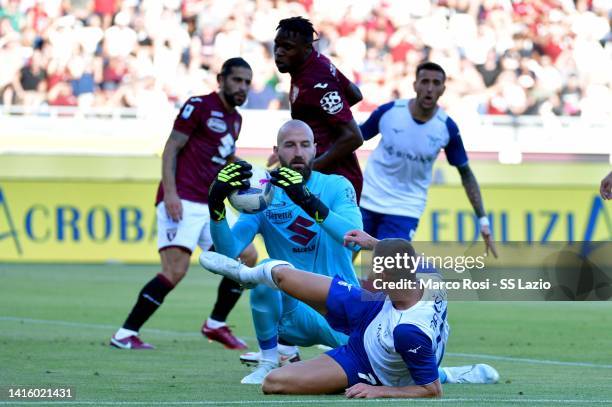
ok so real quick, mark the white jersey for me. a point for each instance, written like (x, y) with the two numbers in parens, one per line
(418, 332)
(399, 171)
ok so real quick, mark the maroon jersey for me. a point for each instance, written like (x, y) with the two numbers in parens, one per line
(317, 98)
(212, 132)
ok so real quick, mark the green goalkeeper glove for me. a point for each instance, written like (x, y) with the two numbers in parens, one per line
(230, 178)
(292, 182)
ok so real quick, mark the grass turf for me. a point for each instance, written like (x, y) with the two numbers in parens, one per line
(56, 320)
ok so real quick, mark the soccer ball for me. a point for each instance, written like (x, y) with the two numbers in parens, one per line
(257, 197)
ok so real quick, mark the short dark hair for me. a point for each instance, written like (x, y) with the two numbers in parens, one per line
(232, 63)
(430, 66)
(300, 26)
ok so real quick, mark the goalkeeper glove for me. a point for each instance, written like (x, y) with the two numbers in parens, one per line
(230, 178)
(292, 182)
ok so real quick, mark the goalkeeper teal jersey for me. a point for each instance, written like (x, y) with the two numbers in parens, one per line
(292, 235)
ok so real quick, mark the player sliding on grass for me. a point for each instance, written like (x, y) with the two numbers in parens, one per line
(305, 224)
(397, 338)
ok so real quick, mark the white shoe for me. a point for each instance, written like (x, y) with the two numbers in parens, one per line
(253, 358)
(224, 266)
(259, 374)
(473, 374)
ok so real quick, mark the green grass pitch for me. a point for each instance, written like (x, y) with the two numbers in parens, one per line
(56, 320)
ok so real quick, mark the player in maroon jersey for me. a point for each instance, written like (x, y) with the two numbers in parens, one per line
(321, 96)
(202, 141)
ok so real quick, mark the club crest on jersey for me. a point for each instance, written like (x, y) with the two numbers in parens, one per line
(331, 102)
(216, 125)
(294, 93)
(171, 234)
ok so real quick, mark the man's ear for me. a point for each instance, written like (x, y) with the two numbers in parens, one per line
(275, 149)
(219, 79)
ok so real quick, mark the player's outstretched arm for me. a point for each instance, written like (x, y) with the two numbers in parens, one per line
(366, 391)
(175, 143)
(348, 140)
(605, 189)
(472, 190)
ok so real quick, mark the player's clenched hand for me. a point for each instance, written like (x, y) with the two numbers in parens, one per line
(294, 185)
(360, 238)
(173, 205)
(230, 178)
(292, 182)
(363, 391)
(605, 189)
(488, 239)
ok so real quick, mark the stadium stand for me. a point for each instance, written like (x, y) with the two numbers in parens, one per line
(504, 57)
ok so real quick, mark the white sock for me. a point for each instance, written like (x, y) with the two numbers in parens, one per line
(261, 274)
(123, 333)
(270, 354)
(214, 324)
(287, 349)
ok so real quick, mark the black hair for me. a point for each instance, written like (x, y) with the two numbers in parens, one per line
(231, 63)
(300, 26)
(430, 66)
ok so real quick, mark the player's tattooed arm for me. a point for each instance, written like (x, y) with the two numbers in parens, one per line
(175, 143)
(472, 190)
(349, 139)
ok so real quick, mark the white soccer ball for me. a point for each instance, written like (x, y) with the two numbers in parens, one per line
(257, 197)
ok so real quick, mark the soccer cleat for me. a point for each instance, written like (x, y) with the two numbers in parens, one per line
(252, 358)
(131, 342)
(473, 374)
(224, 266)
(224, 336)
(259, 374)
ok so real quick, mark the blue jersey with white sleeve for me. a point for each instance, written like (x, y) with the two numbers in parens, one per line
(290, 234)
(388, 346)
(399, 170)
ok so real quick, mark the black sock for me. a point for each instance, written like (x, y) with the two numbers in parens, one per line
(149, 299)
(228, 295)
(281, 341)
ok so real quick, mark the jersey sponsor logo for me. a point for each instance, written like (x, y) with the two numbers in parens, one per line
(320, 85)
(187, 110)
(171, 234)
(397, 131)
(215, 113)
(294, 93)
(216, 125)
(279, 217)
(331, 102)
(367, 377)
(303, 235)
(306, 249)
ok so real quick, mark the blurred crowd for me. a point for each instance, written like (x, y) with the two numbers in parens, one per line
(517, 57)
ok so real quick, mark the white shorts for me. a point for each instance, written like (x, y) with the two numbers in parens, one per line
(192, 230)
